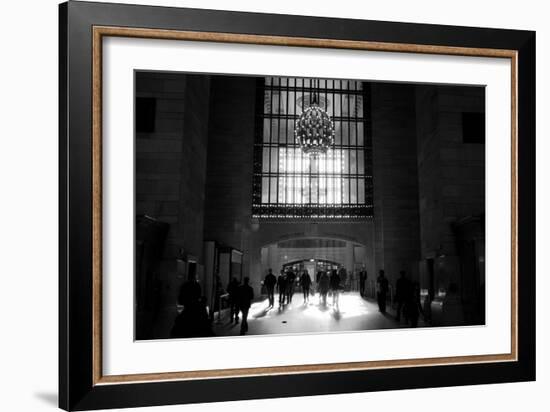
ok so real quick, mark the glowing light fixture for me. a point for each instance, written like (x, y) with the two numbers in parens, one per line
(314, 130)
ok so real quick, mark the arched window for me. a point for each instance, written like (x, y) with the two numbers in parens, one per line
(290, 184)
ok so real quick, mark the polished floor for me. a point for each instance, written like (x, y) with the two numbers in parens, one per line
(352, 313)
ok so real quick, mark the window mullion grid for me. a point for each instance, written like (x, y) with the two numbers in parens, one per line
(349, 150)
(310, 162)
(325, 206)
(279, 143)
(294, 160)
(334, 178)
(341, 148)
(355, 111)
(367, 148)
(335, 168)
(288, 191)
(270, 141)
(302, 183)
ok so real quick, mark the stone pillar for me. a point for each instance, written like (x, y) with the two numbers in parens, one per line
(170, 177)
(451, 179)
(228, 214)
(395, 179)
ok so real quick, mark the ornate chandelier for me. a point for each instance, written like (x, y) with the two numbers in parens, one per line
(314, 130)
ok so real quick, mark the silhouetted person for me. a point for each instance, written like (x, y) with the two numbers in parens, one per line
(342, 272)
(193, 321)
(324, 284)
(245, 295)
(382, 284)
(270, 281)
(190, 292)
(305, 282)
(362, 281)
(318, 276)
(281, 287)
(232, 290)
(335, 285)
(290, 283)
(402, 295)
(414, 306)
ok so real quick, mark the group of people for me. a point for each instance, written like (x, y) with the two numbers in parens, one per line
(330, 281)
(240, 300)
(194, 320)
(285, 284)
(407, 297)
(327, 281)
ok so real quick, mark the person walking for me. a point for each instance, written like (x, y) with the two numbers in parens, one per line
(318, 276)
(335, 285)
(382, 291)
(281, 287)
(362, 281)
(305, 282)
(402, 292)
(269, 282)
(324, 284)
(232, 290)
(290, 283)
(245, 295)
(343, 274)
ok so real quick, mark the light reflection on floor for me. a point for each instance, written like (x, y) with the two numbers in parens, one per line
(349, 305)
(352, 313)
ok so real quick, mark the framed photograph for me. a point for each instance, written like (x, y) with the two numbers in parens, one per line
(257, 205)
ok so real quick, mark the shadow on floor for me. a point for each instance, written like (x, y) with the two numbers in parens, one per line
(49, 398)
(336, 314)
(262, 313)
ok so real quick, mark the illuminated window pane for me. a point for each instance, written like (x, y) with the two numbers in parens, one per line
(353, 193)
(265, 190)
(361, 193)
(265, 159)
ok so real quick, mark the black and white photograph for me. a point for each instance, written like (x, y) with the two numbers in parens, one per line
(292, 205)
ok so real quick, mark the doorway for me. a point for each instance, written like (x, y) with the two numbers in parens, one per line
(312, 265)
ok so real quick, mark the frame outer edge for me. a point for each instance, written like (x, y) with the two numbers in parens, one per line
(76, 361)
(78, 160)
(527, 206)
(63, 331)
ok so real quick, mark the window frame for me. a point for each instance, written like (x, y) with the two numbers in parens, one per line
(345, 209)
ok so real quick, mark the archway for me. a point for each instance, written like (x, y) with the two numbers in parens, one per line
(314, 254)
